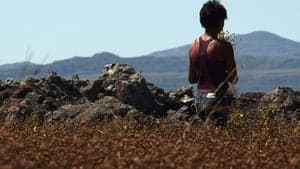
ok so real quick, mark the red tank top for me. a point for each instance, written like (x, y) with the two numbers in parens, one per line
(211, 72)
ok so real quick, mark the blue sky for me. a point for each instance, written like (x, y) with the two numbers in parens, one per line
(59, 29)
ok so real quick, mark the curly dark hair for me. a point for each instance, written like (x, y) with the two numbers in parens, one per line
(212, 13)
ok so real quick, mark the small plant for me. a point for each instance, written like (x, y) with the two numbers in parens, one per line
(267, 116)
(33, 123)
(297, 130)
(228, 37)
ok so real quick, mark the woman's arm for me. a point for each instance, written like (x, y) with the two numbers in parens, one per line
(230, 63)
(192, 74)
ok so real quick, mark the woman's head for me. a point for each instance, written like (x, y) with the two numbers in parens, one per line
(212, 15)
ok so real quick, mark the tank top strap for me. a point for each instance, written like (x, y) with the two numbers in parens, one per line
(203, 45)
(205, 83)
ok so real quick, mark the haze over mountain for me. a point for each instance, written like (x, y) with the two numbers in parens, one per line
(265, 60)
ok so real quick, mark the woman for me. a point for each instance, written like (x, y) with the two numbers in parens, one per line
(212, 65)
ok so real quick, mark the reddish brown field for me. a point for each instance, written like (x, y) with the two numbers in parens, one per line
(123, 144)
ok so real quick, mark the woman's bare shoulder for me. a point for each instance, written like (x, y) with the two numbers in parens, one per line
(218, 43)
(194, 48)
(219, 48)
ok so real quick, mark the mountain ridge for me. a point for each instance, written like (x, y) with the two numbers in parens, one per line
(250, 44)
(168, 68)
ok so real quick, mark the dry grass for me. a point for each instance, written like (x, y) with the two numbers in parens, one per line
(126, 144)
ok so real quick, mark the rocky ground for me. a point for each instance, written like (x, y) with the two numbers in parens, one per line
(121, 121)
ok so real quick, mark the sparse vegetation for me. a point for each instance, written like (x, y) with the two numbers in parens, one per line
(126, 143)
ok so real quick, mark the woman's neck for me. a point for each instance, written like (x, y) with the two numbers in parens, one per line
(211, 33)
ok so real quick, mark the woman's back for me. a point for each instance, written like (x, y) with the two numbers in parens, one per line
(208, 59)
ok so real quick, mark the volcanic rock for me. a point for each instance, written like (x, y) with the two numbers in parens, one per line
(124, 83)
(184, 96)
(104, 109)
(120, 92)
(282, 104)
(250, 100)
(19, 100)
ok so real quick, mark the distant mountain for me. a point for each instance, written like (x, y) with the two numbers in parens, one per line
(67, 67)
(17, 70)
(178, 51)
(81, 65)
(264, 60)
(259, 43)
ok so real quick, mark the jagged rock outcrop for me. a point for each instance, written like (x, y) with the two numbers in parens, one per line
(281, 104)
(19, 100)
(104, 109)
(185, 98)
(120, 91)
(123, 82)
(284, 97)
(183, 95)
(249, 100)
(7, 87)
